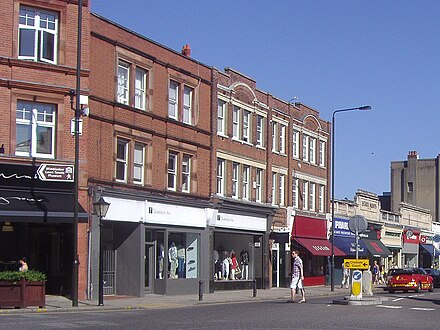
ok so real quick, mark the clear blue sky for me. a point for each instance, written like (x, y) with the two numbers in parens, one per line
(331, 55)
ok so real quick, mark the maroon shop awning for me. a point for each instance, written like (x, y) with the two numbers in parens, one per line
(319, 247)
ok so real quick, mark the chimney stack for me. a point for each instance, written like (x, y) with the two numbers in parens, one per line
(186, 50)
(413, 154)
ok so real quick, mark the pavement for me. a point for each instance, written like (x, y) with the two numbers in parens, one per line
(154, 301)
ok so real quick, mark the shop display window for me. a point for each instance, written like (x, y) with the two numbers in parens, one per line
(183, 255)
(233, 257)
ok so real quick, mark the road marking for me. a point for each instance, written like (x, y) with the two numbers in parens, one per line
(391, 307)
(416, 295)
(422, 309)
(397, 299)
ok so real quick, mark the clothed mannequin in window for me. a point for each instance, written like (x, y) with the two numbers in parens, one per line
(225, 265)
(234, 264)
(244, 261)
(181, 261)
(160, 258)
(172, 257)
(217, 265)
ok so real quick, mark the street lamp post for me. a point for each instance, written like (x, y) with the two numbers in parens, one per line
(76, 169)
(332, 268)
(101, 207)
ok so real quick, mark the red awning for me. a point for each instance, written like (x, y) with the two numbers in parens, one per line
(319, 247)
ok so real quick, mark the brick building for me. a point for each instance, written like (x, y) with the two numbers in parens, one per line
(37, 77)
(199, 165)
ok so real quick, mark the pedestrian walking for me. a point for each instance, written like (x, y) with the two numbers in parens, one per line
(297, 278)
(345, 277)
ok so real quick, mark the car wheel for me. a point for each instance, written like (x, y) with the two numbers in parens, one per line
(419, 287)
(431, 287)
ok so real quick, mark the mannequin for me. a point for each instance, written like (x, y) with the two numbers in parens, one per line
(234, 264)
(160, 258)
(225, 265)
(172, 256)
(181, 261)
(244, 256)
(217, 265)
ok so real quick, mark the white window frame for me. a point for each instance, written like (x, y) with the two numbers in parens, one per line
(221, 117)
(140, 89)
(187, 113)
(235, 173)
(139, 163)
(274, 136)
(274, 188)
(281, 189)
(305, 147)
(312, 196)
(295, 193)
(312, 150)
(295, 144)
(120, 142)
(186, 173)
(321, 198)
(173, 100)
(305, 194)
(245, 178)
(33, 116)
(123, 92)
(172, 170)
(42, 34)
(260, 129)
(322, 153)
(221, 176)
(246, 129)
(282, 139)
(236, 122)
(258, 185)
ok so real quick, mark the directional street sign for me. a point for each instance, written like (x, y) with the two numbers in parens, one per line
(356, 263)
(55, 172)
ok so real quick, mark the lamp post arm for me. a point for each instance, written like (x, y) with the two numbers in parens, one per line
(332, 268)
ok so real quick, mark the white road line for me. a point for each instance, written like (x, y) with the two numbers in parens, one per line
(391, 307)
(422, 309)
(397, 299)
(416, 295)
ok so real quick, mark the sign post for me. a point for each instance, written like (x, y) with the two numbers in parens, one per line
(356, 285)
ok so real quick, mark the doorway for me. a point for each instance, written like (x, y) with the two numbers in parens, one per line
(149, 266)
(275, 265)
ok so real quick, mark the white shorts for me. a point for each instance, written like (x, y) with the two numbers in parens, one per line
(296, 283)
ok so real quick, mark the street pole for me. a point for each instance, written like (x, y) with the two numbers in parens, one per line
(332, 261)
(74, 292)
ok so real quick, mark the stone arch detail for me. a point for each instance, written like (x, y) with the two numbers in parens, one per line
(312, 123)
(244, 92)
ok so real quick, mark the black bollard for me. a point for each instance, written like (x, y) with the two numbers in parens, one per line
(200, 290)
(254, 291)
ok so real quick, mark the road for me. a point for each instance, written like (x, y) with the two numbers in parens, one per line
(401, 311)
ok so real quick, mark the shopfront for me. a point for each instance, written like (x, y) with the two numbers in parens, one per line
(154, 247)
(376, 249)
(392, 239)
(428, 254)
(239, 255)
(309, 237)
(410, 251)
(36, 221)
(345, 240)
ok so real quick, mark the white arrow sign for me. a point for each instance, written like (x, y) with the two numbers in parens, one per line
(55, 172)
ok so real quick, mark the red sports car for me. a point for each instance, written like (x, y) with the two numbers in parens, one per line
(406, 279)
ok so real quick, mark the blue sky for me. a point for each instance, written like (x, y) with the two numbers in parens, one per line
(331, 55)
